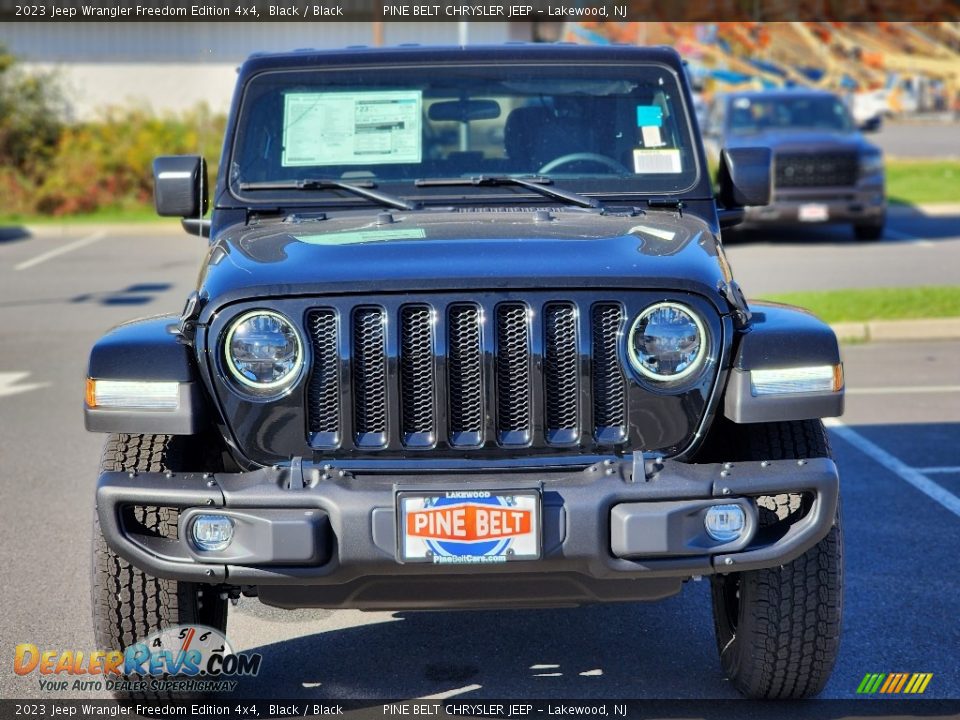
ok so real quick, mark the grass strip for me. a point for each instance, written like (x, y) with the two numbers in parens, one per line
(916, 182)
(876, 303)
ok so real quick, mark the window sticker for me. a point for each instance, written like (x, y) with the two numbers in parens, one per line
(651, 136)
(358, 237)
(358, 128)
(649, 115)
(648, 161)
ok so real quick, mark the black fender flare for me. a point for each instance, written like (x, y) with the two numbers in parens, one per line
(782, 336)
(151, 350)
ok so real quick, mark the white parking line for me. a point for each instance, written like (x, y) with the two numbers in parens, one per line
(903, 390)
(446, 695)
(897, 235)
(906, 473)
(62, 249)
(11, 383)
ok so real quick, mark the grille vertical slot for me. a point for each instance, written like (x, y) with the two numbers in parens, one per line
(609, 384)
(465, 375)
(513, 374)
(323, 395)
(417, 379)
(369, 377)
(561, 373)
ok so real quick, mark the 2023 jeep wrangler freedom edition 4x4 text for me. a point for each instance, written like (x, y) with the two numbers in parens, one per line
(466, 337)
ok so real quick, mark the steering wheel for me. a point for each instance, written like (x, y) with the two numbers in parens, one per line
(583, 157)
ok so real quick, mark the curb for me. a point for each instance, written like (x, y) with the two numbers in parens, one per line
(898, 330)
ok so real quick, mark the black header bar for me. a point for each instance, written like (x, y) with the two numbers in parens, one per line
(513, 709)
(477, 10)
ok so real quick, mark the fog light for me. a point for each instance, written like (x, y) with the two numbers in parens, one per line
(725, 523)
(212, 532)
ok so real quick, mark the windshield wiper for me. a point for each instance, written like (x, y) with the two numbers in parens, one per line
(361, 189)
(535, 183)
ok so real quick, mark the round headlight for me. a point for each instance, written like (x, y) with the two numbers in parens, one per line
(667, 342)
(263, 350)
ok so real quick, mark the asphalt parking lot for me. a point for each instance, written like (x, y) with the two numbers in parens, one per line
(898, 449)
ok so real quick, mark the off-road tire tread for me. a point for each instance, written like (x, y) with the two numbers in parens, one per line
(788, 634)
(128, 604)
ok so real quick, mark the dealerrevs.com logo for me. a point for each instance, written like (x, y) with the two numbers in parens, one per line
(180, 658)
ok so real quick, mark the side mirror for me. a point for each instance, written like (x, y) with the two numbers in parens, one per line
(180, 186)
(744, 177)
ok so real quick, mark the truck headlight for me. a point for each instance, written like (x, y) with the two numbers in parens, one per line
(667, 342)
(263, 351)
(871, 164)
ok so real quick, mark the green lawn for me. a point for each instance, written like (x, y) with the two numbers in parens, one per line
(877, 303)
(145, 213)
(913, 182)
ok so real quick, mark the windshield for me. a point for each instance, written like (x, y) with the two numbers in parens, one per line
(599, 129)
(759, 114)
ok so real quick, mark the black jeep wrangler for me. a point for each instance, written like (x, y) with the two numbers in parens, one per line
(466, 337)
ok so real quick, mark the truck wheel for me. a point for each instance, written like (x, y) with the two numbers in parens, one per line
(868, 232)
(128, 604)
(778, 629)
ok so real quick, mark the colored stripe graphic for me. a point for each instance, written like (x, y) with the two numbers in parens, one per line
(862, 687)
(893, 683)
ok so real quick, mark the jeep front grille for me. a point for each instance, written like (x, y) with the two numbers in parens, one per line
(815, 169)
(465, 374)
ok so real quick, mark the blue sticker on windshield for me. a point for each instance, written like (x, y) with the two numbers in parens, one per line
(649, 116)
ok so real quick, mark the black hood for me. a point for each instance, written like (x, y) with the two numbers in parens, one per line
(456, 250)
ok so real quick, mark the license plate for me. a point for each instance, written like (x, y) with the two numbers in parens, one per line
(474, 527)
(814, 213)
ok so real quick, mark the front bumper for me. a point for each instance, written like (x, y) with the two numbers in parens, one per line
(318, 536)
(865, 204)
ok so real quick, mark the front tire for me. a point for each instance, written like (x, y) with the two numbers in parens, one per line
(128, 604)
(778, 629)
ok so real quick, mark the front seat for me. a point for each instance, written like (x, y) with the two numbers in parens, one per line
(533, 136)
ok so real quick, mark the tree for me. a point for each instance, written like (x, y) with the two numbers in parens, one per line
(32, 113)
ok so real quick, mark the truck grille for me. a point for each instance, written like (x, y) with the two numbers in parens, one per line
(823, 169)
(465, 374)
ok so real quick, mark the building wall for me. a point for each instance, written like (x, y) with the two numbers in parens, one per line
(170, 67)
